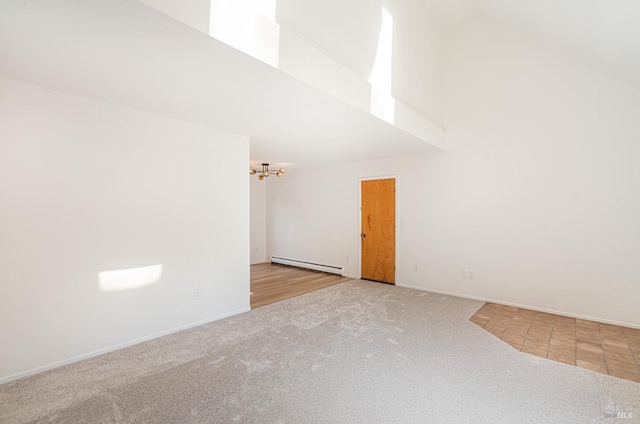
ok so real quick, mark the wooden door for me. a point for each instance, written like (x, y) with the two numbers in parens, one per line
(378, 230)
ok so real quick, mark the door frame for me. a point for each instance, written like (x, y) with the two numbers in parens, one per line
(397, 232)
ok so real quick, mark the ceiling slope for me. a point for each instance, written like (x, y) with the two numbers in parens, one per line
(602, 34)
(126, 53)
(451, 11)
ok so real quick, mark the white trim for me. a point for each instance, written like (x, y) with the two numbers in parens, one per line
(396, 177)
(518, 305)
(117, 347)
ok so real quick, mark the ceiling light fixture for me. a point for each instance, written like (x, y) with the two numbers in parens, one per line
(266, 172)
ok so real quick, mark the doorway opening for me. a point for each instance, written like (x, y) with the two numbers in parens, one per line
(272, 283)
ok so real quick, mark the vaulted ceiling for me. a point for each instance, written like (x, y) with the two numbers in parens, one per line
(131, 55)
(602, 34)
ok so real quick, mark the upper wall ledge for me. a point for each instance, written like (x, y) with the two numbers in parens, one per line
(256, 33)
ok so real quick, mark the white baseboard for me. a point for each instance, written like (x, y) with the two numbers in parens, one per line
(308, 265)
(517, 305)
(116, 347)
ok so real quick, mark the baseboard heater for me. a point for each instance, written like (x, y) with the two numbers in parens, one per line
(309, 265)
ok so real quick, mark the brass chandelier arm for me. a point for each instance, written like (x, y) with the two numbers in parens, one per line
(265, 172)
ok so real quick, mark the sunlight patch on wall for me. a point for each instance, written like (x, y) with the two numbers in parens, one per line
(128, 279)
(382, 103)
(247, 25)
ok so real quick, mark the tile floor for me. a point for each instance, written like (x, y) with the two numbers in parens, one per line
(604, 348)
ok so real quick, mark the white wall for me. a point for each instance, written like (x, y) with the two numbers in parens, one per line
(543, 173)
(348, 32)
(258, 215)
(537, 192)
(313, 214)
(305, 62)
(195, 13)
(87, 187)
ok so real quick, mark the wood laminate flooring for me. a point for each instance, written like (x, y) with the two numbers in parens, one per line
(272, 283)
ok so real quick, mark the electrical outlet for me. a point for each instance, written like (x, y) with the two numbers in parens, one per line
(346, 258)
(468, 273)
(416, 268)
(196, 294)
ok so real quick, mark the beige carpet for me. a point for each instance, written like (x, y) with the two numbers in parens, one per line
(358, 352)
